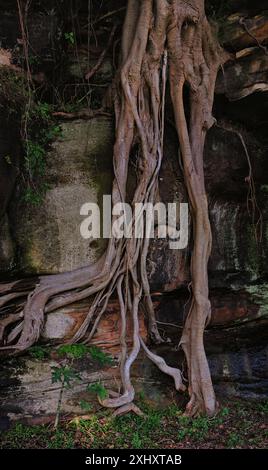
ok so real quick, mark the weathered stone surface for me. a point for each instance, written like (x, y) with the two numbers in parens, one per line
(226, 166)
(7, 251)
(167, 268)
(239, 369)
(47, 237)
(27, 390)
(28, 395)
(241, 30)
(78, 171)
(244, 76)
(80, 62)
(62, 325)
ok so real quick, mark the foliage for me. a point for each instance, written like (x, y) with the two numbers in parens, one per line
(100, 356)
(61, 440)
(35, 158)
(234, 440)
(78, 351)
(163, 428)
(38, 352)
(33, 196)
(20, 435)
(99, 389)
(73, 351)
(70, 38)
(85, 406)
(13, 92)
(39, 131)
(64, 375)
(263, 407)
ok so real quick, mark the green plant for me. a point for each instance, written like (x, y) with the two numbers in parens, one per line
(70, 38)
(38, 352)
(61, 440)
(34, 60)
(42, 110)
(234, 440)
(100, 356)
(225, 411)
(35, 196)
(99, 390)
(40, 130)
(85, 406)
(136, 441)
(73, 351)
(142, 395)
(51, 133)
(34, 159)
(263, 407)
(78, 351)
(182, 433)
(19, 436)
(63, 375)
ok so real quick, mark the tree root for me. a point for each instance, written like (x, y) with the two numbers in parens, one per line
(131, 407)
(161, 39)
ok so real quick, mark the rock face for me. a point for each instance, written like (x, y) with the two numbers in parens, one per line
(241, 30)
(28, 394)
(7, 251)
(78, 171)
(46, 239)
(248, 74)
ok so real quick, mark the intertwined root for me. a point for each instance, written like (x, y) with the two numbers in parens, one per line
(161, 40)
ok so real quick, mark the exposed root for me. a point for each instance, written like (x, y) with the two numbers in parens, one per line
(161, 39)
(82, 114)
(127, 409)
(161, 364)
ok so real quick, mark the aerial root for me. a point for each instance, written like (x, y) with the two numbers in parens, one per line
(130, 407)
(160, 40)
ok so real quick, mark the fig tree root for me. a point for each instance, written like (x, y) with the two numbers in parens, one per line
(166, 44)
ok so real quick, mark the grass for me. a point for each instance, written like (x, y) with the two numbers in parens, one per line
(233, 427)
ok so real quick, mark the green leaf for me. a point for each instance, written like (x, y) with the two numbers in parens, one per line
(70, 37)
(73, 351)
(99, 389)
(65, 375)
(85, 405)
(38, 352)
(101, 357)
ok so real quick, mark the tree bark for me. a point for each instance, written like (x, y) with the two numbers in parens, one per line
(161, 40)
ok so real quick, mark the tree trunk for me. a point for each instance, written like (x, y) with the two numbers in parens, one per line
(161, 40)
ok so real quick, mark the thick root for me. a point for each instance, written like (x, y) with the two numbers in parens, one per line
(161, 39)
